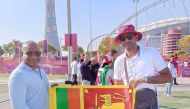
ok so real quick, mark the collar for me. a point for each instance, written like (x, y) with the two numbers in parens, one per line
(26, 67)
(138, 53)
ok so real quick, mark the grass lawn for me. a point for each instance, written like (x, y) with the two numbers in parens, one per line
(179, 100)
(56, 76)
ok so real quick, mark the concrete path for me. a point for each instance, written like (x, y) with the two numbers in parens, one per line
(4, 101)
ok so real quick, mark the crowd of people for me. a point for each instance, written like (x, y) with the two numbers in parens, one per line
(91, 71)
(138, 67)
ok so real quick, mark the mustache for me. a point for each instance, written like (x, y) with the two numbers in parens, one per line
(126, 43)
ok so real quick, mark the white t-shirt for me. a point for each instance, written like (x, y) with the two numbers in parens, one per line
(79, 76)
(74, 68)
(147, 62)
(109, 76)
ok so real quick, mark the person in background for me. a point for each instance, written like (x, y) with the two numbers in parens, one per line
(86, 72)
(105, 77)
(112, 55)
(175, 63)
(79, 76)
(74, 71)
(185, 63)
(173, 70)
(140, 67)
(94, 70)
(28, 84)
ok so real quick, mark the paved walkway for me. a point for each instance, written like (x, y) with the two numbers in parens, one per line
(4, 101)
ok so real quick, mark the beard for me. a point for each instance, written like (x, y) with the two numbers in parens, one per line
(128, 46)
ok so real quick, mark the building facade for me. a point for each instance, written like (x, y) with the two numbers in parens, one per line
(169, 42)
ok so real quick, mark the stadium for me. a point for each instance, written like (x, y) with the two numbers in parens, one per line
(158, 33)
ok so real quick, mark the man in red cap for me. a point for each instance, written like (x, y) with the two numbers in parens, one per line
(105, 73)
(140, 68)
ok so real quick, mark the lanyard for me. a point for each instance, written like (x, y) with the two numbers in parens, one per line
(39, 71)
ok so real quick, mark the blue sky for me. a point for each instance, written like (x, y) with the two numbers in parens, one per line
(25, 19)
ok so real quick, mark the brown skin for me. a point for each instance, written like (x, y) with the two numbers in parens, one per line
(131, 50)
(33, 60)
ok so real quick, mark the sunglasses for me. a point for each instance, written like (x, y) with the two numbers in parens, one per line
(129, 36)
(36, 53)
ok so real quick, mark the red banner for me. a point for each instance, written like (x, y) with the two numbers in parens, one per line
(71, 40)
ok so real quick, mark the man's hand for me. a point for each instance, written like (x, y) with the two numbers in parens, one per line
(135, 83)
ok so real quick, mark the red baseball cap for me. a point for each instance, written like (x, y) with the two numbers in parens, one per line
(107, 60)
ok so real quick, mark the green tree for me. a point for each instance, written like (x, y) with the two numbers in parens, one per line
(103, 47)
(184, 43)
(9, 48)
(51, 49)
(87, 53)
(179, 53)
(80, 50)
(93, 53)
(64, 48)
(1, 51)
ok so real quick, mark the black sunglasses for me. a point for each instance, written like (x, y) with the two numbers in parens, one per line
(129, 36)
(30, 53)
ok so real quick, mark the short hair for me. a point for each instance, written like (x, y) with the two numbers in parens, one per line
(28, 43)
(104, 64)
(75, 58)
(81, 60)
(113, 51)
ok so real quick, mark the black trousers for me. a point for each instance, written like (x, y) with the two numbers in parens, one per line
(146, 99)
(74, 80)
(175, 81)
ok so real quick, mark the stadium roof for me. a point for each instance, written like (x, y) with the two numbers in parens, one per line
(163, 23)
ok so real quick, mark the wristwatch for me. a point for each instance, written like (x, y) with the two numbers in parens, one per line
(145, 79)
